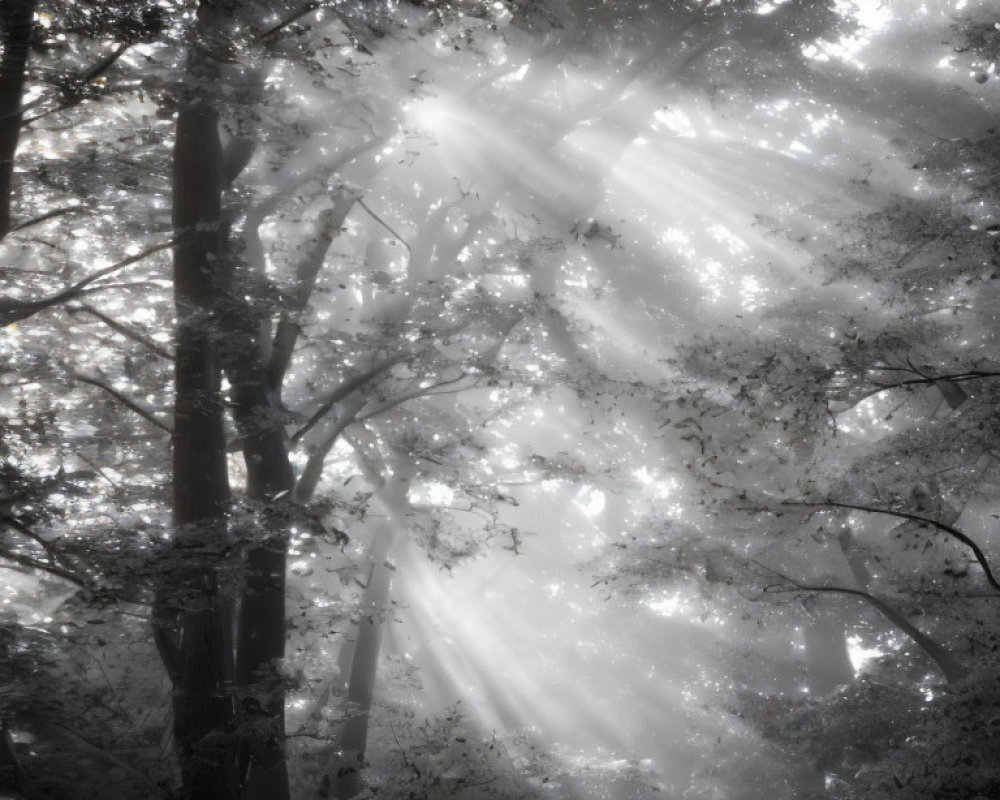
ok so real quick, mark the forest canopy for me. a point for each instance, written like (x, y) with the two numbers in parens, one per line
(514, 399)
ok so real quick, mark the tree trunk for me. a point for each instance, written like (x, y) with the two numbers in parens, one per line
(15, 20)
(341, 777)
(203, 704)
(261, 636)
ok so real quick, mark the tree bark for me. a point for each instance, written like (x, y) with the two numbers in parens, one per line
(260, 644)
(15, 20)
(203, 703)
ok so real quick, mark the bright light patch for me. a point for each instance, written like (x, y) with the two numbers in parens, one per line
(433, 493)
(677, 122)
(667, 605)
(861, 656)
(430, 113)
(516, 76)
(590, 501)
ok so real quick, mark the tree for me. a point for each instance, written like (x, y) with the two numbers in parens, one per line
(452, 284)
(15, 23)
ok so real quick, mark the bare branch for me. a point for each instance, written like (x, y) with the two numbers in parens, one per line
(957, 377)
(53, 556)
(308, 480)
(953, 671)
(52, 569)
(75, 85)
(12, 310)
(306, 274)
(59, 212)
(955, 533)
(384, 224)
(126, 401)
(415, 394)
(947, 383)
(347, 388)
(291, 19)
(124, 330)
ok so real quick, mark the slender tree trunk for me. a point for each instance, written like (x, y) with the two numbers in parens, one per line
(13, 780)
(261, 631)
(341, 778)
(15, 21)
(203, 703)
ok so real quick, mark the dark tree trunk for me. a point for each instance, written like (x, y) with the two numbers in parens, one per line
(203, 702)
(260, 642)
(15, 21)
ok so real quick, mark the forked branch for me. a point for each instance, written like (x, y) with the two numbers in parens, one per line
(951, 669)
(952, 531)
(13, 310)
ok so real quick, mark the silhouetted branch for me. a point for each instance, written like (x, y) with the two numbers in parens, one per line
(12, 310)
(124, 330)
(948, 383)
(348, 387)
(955, 533)
(384, 224)
(309, 479)
(415, 394)
(126, 401)
(52, 569)
(54, 558)
(291, 19)
(949, 666)
(59, 212)
(306, 273)
(955, 377)
(74, 87)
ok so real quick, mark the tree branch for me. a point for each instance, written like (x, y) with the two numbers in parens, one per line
(427, 391)
(309, 479)
(124, 330)
(54, 557)
(306, 274)
(125, 400)
(12, 310)
(949, 666)
(52, 569)
(384, 224)
(955, 533)
(291, 19)
(347, 388)
(74, 88)
(59, 212)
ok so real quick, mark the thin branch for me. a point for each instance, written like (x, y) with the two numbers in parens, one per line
(124, 330)
(947, 383)
(945, 661)
(384, 224)
(291, 19)
(12, 310)
(59, 212)
(126, 401)
(75, 86)
(306, 273)
(955, 533)
(309, 479)
(415, 394)
(348, 387)
(52, 569)
(53, 556)
(958, 377)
